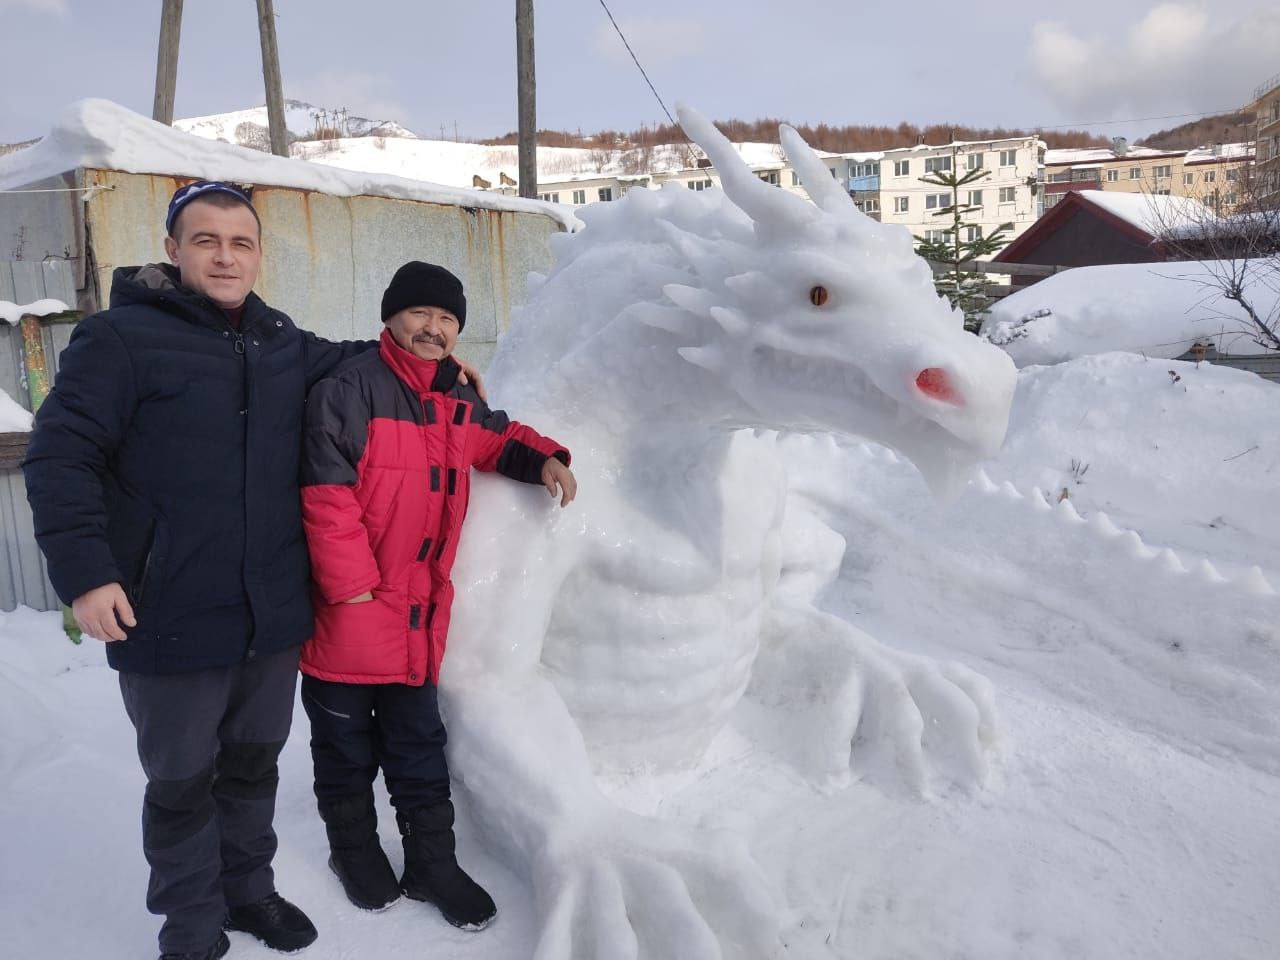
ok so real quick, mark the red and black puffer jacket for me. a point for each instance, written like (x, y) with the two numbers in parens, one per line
(390, 442)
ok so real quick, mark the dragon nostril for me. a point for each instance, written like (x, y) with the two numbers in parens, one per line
(818, 296)
(934, 383)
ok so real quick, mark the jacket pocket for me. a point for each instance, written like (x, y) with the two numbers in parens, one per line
(146, 587)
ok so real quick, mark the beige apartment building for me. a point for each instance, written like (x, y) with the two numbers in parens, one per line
(1213, 175)
(1266, 109)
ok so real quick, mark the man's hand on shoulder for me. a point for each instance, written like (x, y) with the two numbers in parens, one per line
(471, 375)
(100, 612)
(559, 479)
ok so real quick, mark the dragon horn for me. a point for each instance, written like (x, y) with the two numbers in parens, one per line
(822, 188)
(763, 203)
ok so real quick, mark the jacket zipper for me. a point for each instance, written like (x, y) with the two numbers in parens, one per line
(140, 588)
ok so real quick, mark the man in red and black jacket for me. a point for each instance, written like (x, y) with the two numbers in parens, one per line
(391, 439)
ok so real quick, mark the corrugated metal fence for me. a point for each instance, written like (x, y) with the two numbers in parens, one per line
(23, 578)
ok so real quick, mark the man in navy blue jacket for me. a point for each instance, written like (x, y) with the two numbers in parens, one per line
(163, 476)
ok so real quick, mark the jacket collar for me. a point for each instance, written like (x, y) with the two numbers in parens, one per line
(160, 284)
(424, 376)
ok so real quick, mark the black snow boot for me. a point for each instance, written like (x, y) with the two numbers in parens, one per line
(356, 855)
(275, 921)
(215, 952)
(431, 870)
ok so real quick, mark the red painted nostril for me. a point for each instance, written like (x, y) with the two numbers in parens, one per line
(934, 383)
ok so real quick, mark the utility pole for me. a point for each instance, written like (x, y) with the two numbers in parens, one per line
(167, 61)
(271, 74)
(528, 124)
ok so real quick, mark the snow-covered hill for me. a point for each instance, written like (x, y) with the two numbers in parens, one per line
(384, 146)
(248, 127)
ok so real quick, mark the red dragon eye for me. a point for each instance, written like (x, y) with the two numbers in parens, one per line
(818, 296)
(934, 383)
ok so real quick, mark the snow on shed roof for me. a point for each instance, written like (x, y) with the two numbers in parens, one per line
(104, 135)
(1154, 213)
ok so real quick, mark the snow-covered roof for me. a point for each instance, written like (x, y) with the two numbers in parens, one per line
(1219, 152)
(104, 135)
(1154, 213)
(990, 144)
(1104, 154)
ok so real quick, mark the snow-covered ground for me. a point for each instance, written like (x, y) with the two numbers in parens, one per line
(1155, 309)
(1123, 820)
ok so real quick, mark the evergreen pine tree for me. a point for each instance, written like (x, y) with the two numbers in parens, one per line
(966, 289)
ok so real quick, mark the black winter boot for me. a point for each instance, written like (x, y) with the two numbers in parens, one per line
(215, 952)
(356, 855)
(275, 921)
(431, 870)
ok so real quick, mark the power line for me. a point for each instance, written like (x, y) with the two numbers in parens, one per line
(637, 62)
(1100, 123)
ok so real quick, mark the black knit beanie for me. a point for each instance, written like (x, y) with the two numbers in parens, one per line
(419, 284)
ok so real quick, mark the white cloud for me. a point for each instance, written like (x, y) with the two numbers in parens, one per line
(57, 7)
(1178, 57)
(654, 41)
(362, 94)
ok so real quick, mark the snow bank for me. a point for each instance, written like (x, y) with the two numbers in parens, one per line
(1156, 309)
(14, 418)
(1189, 462)
(13, 312)
(104, 135)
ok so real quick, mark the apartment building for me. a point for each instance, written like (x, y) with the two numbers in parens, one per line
(1214, 175)
(1266, 109)
(1218, 176)
(581, 189)
(1010, 194)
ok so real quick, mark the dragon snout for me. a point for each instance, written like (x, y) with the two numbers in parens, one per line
(936, 384)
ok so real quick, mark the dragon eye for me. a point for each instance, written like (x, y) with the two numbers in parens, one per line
(818, 296)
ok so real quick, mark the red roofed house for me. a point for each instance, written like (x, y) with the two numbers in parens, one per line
(1092, 227)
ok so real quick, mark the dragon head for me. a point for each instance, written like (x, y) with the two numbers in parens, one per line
(819, 318)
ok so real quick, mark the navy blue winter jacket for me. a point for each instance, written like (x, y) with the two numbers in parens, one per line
(166, 459)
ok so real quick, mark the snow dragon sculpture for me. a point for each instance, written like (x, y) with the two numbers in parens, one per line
(675, 333)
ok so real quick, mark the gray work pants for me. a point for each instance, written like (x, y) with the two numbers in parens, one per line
(208, 742)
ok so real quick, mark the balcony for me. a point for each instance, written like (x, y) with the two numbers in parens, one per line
(863, 184)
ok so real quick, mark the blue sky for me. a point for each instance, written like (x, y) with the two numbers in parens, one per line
(431, 65)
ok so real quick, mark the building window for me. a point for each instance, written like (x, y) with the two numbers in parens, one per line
(1188, 179)
(770, 177)
(937, 236)
(579, 196)
(936, 164)
(902, 168)
(549, 197)
(973, 161)
(700, 185)
(901, 204)
(1233, 174)
(1007, 194)
(936, 201)
(1162, 193)
(869, 205)
(866, 169)
(1164, 172)
(1113, 176)
(795, 179)
(1135, 173)
(605, 193)
(975, 198)
(972, 233)
(1231, 199)
(1008, 158)
(1210, 176)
